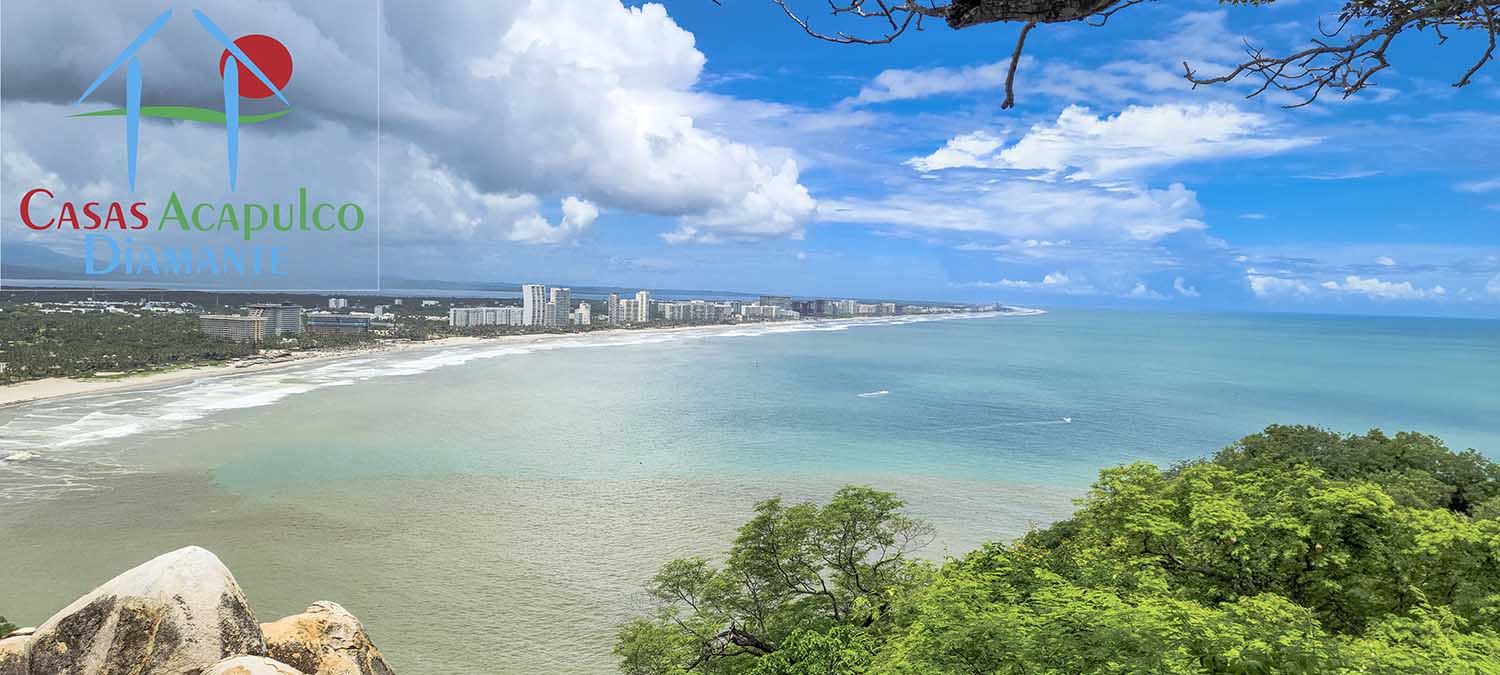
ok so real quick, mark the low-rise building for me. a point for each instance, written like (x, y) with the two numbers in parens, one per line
(328, 322)
(469, 317)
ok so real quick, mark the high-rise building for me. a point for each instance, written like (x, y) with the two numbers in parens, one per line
(629, 311)
(781, 301)
(549, 315)
(533, 305)
(281, 319)
(561, 301)
(584, 316)
(643, 306)
(234, 327)
(612, 313)
(338, 303)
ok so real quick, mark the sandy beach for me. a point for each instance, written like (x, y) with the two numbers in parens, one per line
(61, 387)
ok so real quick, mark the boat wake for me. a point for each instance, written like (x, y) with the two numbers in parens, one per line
(874, 394)
(1001, 425)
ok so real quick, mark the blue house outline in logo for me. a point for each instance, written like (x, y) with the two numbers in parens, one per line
(132, 110)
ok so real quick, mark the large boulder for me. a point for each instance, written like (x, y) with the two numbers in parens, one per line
(325, 639)
(178, 613)
(13, 653)
(251, 665)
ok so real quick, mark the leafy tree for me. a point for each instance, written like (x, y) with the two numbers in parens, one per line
(5, 626)
(1344, 57)
(793, 568)
(1416, 469)
(1292, 551)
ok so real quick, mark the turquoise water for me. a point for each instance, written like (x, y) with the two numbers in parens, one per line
(495, 508)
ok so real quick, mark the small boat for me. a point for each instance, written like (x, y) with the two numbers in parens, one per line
(873, 394)
(1067, 420)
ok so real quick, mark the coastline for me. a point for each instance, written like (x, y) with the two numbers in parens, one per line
(32, 391)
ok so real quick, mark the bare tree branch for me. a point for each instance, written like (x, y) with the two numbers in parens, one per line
(1015, 60)
(1347, 66)
(1350, 67)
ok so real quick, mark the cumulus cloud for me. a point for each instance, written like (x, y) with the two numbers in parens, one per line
(1385, 261)
(1380, 290)
(1141, 291)
(1087, 145)
(1181, 286)
(534, 229)
(1266, 286)
(591, 103)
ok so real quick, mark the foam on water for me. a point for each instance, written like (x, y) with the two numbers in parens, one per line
(74, 435)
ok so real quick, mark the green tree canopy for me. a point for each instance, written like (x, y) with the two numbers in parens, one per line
(1292, 551)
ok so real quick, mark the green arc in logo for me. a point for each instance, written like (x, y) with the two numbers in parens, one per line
(186, 113)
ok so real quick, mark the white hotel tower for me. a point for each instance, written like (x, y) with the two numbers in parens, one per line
(533, 305)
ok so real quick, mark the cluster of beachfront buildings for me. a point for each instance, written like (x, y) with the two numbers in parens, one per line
(539, 308)
(542, 307)
(263, 321)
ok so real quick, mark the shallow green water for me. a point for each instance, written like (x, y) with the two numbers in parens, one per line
(495, 509)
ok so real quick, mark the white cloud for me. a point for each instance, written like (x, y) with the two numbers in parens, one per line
(1138, 138)
(1265, 286)
(589, 98)
(1479, 186)
(968, 150)
(534, 229)
(1377, 289)
(775, 207)
(1055, 282)
(1024, 209)
(1181, 286)
(899, 85)
(1141, 291)
(1493, 287)
(1253, 216)
(1385, 261)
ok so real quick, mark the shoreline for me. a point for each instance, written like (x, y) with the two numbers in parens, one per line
(53, 388)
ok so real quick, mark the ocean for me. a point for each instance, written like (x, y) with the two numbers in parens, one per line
(497, 508)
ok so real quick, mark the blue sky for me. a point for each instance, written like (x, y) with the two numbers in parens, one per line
(693, 145)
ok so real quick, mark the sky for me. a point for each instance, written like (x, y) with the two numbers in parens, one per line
(689, 145)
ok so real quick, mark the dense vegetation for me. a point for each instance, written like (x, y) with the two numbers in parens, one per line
(5, 626)
(1293, 551)
(35, 344)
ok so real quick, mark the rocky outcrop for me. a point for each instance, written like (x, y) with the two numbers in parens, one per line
(324, 639)
(182, 613)
(13, 653)
(178, 613)
(251, 665)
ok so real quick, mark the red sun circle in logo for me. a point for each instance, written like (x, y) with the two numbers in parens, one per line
(270, 56)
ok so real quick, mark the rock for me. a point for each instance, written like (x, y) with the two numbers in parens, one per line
(325, 639)
(178, 613)
(13, 654)
(251, 665)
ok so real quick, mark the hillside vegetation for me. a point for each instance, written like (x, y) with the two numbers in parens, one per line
(1292, 551)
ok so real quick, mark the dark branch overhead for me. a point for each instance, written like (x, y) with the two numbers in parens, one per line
(1344, 64)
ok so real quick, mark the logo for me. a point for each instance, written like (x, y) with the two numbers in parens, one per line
(176, 236)
(262, 67)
